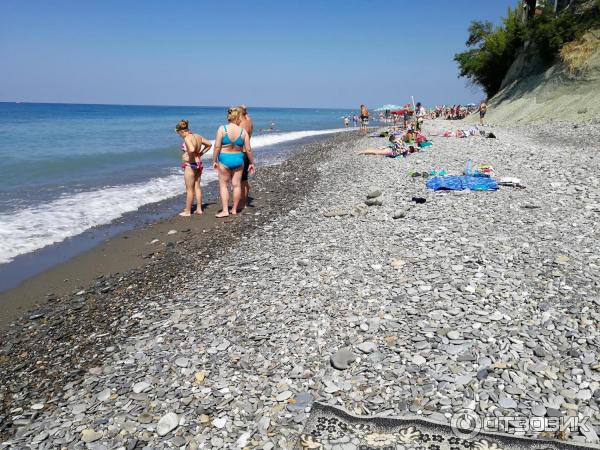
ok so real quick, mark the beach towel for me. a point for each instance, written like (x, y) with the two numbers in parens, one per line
(460, 183)
(425, 144)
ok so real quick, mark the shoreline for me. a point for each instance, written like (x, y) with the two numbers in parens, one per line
(127, 246)
(85, 320)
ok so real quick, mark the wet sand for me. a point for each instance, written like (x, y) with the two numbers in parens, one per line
(130, 250)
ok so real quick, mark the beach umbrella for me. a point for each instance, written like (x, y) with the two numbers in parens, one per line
(387, 107)
(399, 112)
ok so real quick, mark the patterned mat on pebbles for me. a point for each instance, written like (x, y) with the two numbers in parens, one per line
(332, 428)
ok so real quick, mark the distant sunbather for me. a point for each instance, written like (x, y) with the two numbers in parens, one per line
(392, 151)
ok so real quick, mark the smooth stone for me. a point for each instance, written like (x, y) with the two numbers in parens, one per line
(88, 435)
(374, 193)
(167, 423)
(220, 422)
(397, 263)
(553, 412)
(170, 232)
(367, 347)
(182, 362)
(178, 441)
(263, 425)
(283, 396)
(584, 394)
(373, 202)
(145, 418)
(453, 335)
(507, 402)
(342, 359)
(418, 360)
(538, 410)
(140, 387)
(103, 395)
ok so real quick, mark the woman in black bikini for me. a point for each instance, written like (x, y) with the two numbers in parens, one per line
(192, 147)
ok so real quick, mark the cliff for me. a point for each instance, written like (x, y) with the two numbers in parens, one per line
(567, 91)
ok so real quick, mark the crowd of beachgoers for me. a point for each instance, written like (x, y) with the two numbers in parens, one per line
(234, 161)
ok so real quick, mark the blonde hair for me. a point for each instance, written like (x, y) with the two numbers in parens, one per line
(233, 114)
(183, 125)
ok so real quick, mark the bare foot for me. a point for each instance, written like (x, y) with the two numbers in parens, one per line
(199, 212)
(185, 214)
(222, 214)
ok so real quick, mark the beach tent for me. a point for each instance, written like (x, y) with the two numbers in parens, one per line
(387, 107)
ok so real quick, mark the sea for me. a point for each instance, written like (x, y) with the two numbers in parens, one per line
(66, 169)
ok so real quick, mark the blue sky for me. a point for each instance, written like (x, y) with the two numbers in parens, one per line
(325, 53)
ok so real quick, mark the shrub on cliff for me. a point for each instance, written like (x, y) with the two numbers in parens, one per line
(491, 51)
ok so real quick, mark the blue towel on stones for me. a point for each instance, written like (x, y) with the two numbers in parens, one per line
(459, 183)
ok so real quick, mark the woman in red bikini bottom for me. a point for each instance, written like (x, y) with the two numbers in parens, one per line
(192, 147)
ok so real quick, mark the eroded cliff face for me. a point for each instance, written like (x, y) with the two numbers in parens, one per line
(568, 91)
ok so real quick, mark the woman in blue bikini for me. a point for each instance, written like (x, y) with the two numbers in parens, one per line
(228, 158)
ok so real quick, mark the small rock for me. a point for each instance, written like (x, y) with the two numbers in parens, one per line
(172, 232)
(453, 335)
(418, 360)
(342, 359)
(373, 202)
(199, 378)
(374, 193)
(103, 395)
(167, 423)
(538, 410)
(398, 263)
(140, 387)
(88, 435)
(283, 396)
(367, 347)
(182, 362)
(399, 214)
(220, 422)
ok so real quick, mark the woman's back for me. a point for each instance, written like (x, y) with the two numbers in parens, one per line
(233, 135)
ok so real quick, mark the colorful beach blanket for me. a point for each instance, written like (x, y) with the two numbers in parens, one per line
(460, 183)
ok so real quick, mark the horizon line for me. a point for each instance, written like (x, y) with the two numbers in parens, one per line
(168, 105)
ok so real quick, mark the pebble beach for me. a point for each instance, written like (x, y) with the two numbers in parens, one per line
(338, 289)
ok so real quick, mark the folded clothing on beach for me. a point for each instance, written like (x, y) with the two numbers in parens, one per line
(460, 183)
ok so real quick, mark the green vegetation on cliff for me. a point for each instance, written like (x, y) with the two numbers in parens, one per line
(492, 50)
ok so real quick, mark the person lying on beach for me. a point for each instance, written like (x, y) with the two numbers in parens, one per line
(393, 151)
(231, 142)
(192, 147)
